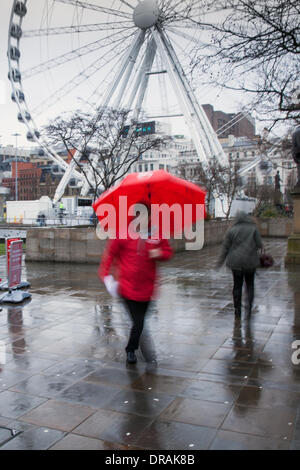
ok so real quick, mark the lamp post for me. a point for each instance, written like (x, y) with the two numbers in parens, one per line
(16, 135)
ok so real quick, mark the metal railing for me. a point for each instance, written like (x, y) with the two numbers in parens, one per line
(65, 221)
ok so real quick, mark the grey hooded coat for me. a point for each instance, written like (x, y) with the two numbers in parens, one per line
(241, 244)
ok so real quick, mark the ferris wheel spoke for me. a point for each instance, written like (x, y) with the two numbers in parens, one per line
(126, 3)
(186, 24)
(105, 82)
(81, 77)
(77, 29)
(194, 11)
(182, 34)
(164, 4)
(74, 54)
(170, 4)
(184, 53)
(90, 6)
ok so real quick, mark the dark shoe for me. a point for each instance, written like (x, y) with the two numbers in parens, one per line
(131, 357)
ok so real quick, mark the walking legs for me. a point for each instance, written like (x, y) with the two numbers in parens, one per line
(137, 311)
(238, 279)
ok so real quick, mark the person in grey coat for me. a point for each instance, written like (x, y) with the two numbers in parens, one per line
(240, 250)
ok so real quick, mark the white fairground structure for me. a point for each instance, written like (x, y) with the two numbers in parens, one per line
(110, 50)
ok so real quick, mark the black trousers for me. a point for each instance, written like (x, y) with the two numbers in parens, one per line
(238, 279)
(137, 311)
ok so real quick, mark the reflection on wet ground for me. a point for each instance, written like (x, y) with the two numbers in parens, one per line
(217, 384)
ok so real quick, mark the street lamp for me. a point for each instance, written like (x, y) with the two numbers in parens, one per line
(16, 135)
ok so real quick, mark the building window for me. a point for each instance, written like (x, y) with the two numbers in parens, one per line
(151, 166)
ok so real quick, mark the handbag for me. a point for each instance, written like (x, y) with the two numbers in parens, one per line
(266, 260)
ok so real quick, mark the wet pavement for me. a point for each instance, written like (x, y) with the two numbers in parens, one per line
(218, 384)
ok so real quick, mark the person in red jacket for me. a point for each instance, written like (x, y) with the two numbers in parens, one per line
(137, 276)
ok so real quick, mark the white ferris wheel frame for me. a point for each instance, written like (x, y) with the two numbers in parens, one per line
(203, 136)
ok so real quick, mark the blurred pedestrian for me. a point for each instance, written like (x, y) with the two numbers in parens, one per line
(136, 259)
(61, 212)
(240, 250)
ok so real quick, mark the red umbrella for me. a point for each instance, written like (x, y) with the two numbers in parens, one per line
(153, 188)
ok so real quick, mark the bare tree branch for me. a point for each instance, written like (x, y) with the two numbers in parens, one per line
(254, 47)
(101, 135)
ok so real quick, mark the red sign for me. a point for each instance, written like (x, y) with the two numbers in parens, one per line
(8, 242)
(15, 263)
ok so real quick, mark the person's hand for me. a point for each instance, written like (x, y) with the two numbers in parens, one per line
(112, 286)
(155, 253)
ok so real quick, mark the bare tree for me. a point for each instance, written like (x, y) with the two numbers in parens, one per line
(106, 144)
(229, 184)
(207, 178)
(254, 46)
(220, 182)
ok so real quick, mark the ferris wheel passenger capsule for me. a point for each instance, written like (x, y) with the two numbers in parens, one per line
(16, 31)
(30, 136)
(15, 75)
(27, 116)
(20, 9)
(18, 96)
(14, 53)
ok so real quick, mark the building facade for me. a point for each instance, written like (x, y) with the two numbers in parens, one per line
(244, 151)
(166, 158)
(8, 153)
(225, 124)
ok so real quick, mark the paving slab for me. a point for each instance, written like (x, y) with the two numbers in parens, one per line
(217, 384)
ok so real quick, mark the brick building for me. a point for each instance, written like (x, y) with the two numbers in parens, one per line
(29, 175)
(35, 179)
(244, 127)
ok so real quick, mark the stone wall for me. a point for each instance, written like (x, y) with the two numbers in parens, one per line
(77, 245)
(275, 227)
(81, 245)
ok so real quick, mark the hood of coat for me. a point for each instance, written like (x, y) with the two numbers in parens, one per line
(242, 217)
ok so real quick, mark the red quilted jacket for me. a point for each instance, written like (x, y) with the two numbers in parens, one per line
(136, 271)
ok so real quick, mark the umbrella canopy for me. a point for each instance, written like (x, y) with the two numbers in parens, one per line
(156, 189)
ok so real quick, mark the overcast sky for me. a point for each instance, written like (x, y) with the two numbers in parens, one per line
(33, 53)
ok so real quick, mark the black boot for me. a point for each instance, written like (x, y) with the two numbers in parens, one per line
(131, 357)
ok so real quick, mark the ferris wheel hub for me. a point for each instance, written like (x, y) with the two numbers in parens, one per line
(146, 14)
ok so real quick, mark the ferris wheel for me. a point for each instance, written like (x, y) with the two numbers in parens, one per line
(108, 53)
